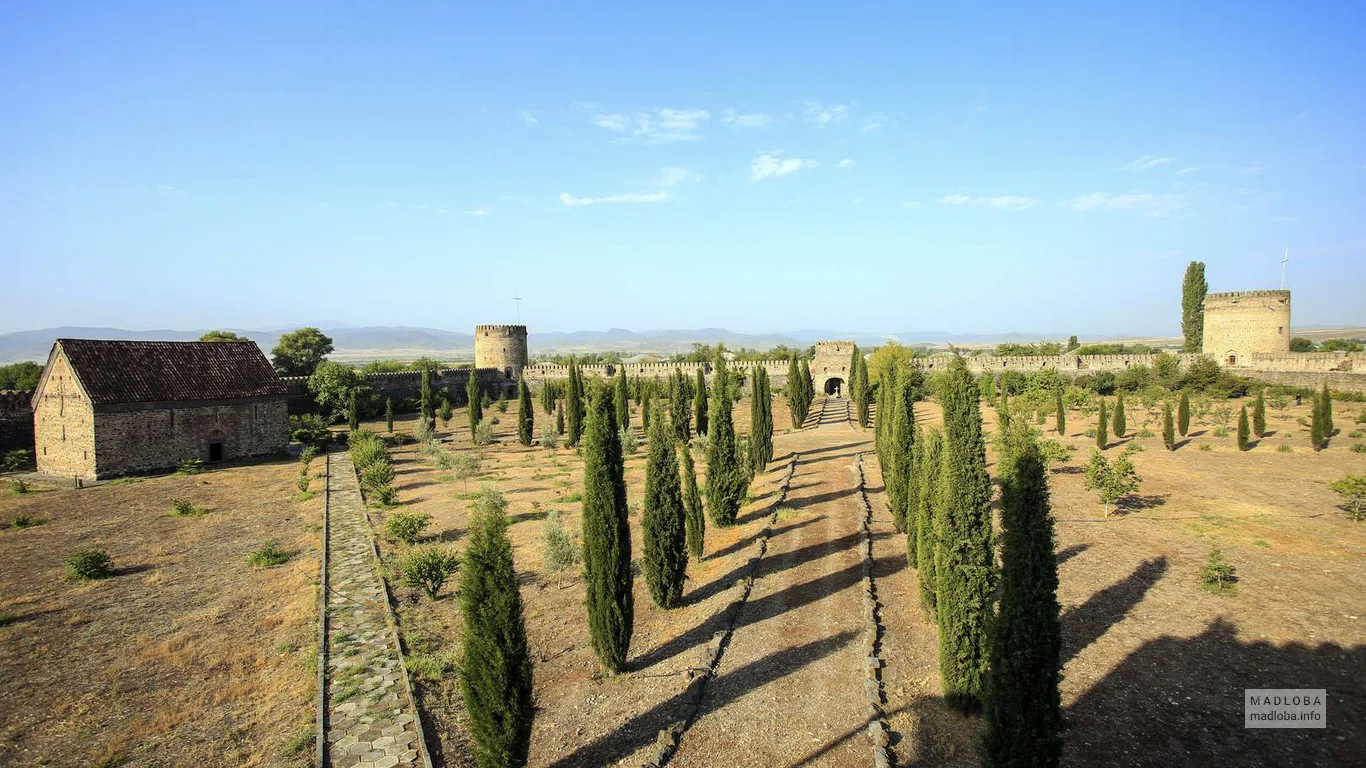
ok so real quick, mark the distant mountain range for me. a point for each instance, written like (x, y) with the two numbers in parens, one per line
(402, 342)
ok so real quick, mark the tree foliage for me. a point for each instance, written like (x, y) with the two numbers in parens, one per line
(606, 536)
(298, 353)
(700, 402)
(665, 561)
(335, 387)
(1111, 482)
(930, 450)
(526, 414)
(217, 335)
(694, 518)
(1193, 290)
(726, 478)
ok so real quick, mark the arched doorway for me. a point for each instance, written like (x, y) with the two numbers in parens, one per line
(1231, 359)
(834, 386)
(214, 444)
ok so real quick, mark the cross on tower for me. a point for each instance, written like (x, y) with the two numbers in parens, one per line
(517, 298)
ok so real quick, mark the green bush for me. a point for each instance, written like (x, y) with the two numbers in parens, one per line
(309, 453)
(1352, 489)
(189, 467)
(1206, 447)
(431, 668)
(406, 525)
(303, 480)
(561, 551)
(183, 508)
(1218, 575)
(428, 567)
(18, 487)
(88, 564)
(15, 460)
(269, 554)
(550, 439)
(629, 444)
(1284, 449)
(1356, 434)
(1359, 448)
(483, 434)
(1220, 432)
(309, 430)
(377, 475)
(21, 522)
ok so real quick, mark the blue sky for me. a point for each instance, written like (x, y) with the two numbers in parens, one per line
(757, 166)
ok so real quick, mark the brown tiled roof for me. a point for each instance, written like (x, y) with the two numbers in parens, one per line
(170, 371)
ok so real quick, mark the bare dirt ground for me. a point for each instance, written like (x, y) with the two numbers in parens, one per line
(187, 655)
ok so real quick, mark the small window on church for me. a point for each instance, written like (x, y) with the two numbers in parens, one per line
(1280, 329)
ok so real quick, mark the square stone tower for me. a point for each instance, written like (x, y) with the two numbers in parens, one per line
(830, 367)
(1240, 323)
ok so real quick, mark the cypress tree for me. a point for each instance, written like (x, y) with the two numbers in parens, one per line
(559, 418)
(794, 392)
(808, 389)
(1317, 435)
(647, 395)
(899, 439)
(699, 400)
(966, 556)
(1259, 415)
(1168, 432)
(1193, 290)
(1326, 403)
(909, 513)
(1120, 425)
(692, 505)
(574, 405)
(548, 397)
(353, 414)
(1242, 429)
(389, 414)
(680, 407)
(475, 403)
(606, 536)
(726, 478)
(927, 508)
(865, 393)
(1183, 413)
(495, 676)
(621, 399)
(1061, 423)
(425, 408)
(1102, 430)
(761, 421)
(526, 415)
(1022, 706)
(666, 560)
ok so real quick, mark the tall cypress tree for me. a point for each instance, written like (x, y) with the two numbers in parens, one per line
(1242, 429)
(909, 512)
(526, 415)
(794, 392)
(606, 536)
(475, 405)
(1183, 413)
(699, 400)
(666, 560)
(574, 405)
(1326, 403)
(899, 439)
(726, 479)
(680, 407)
(1120, 424)
(966, 557)
(548, 397)
(1102, 429)
(621, 399)
(865, 393)
(808, 389)
(495, 676)
(1022, 706)
(927, 508)
(1318, 436)
(1193, 290)
(694, 517)
(559, 418)
(1259, 415)
(1168, 432)
(761, 421)
(1061, 423)
(426, 409)
(389, 414)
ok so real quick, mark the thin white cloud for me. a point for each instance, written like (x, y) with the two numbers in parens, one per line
(1003, 202)
(1191, 169)
(771, 166)
(820, 114)
(569, 201)
(873, 123)
(1251, 168)
(658, 126)
(1148, 203)
(612, 122)
(1147, 162)
(529, 118)
(675, 176)
(477, 212)
(756, 120)
(846, 164)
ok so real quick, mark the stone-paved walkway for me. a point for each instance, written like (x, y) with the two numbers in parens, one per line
(371, 722)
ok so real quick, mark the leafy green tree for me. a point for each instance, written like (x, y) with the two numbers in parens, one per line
(389, 414)
(526, 414)
(680, 407)
(1242, 429)
(1102, 429)
(1183, 413)
(1299, 344)
(1120, 424)
(444, 410)
(726, 478)
(222, 336)
(1022, 705)
(1193, 290)
(700, 402)
(1259, 415)
(574, 405)
(927, 537)
(1341, 345)
(1111, 482)
(334, 386)
(665, 563)
(621, 399)
(353, 412)
(474, 399)
(22, 377)
(694, 517)
(495, 669)
(1072, 343)
(299, 352)
(1352, 490)
(1168, 432)
(606, 536)
(965, 561)
(1060, 424)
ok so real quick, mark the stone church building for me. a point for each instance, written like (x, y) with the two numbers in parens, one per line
(107, 408)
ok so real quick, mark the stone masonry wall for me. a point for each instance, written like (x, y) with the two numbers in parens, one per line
(64, 426)
(501, 348)
(143, 439)
(1244, 322)
(406, 384)
(16, 421)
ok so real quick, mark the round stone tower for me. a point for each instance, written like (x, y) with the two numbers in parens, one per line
(502, 347)
(1241, 323)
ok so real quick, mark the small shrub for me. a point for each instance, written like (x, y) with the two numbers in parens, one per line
(20, 522)
(189, 467)
(502, 406)
(1220, 432)
(570, 498)
(1206, 447)
(303, 480)
(15, 460)
(550, 439)
(18, 487)
(384, 495)
(269, 554)
(309, 453)
(377, 475)
(1352, 489)
(561, 551)
(1145, 432)
(1090, 432)
(88, 564)
(1361, 417)
(422, 430)
(183, 508)
(1053, 452)
(1217, 575)
(1303, 422)
(428, 567)
(431, 668)
(1356, 434)
(1359, 448)
(483, 434)
(407, 525)
(1284, 449)
(629, 444)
